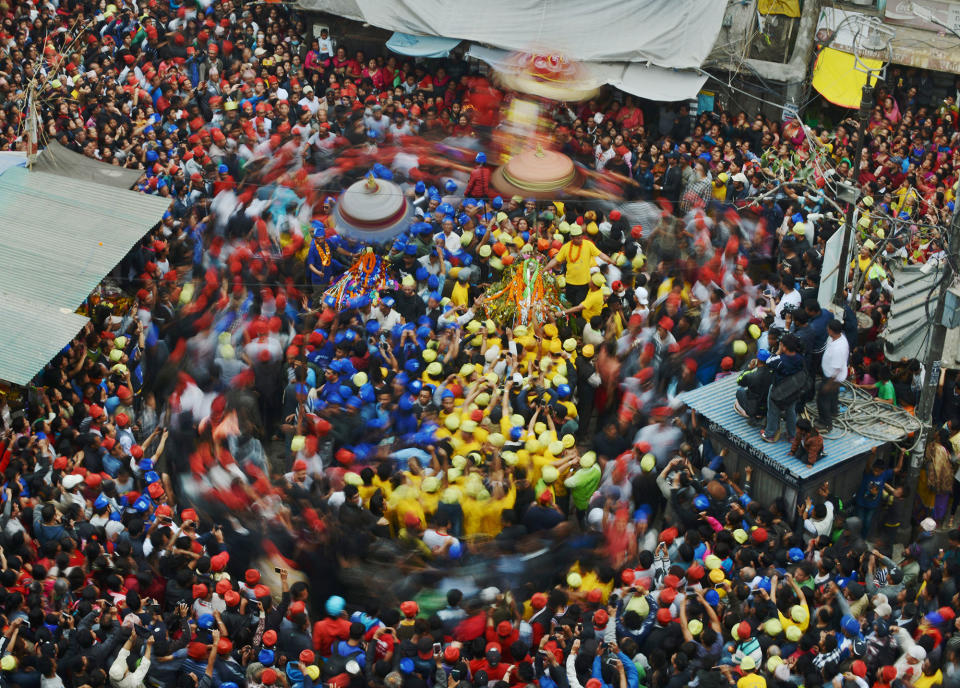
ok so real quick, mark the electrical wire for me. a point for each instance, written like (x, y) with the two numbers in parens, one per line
(864, 415)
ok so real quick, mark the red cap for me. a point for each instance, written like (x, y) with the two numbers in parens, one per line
(667, 596)
(196, 650)
(743, 630)
(664, 616)
(261, 591)
(269, 676)
(409, 608)
(695, 573)
(200, 590)
(594, 683)
(666, 323)
(504, 629)
(615, 215)
(594, 596)
(164, 510)
(859, 668)
(307, 657)
(600, 618)
(93, 479)
(60, 463)
(188, 515)
(451, 655)
(232, 598)
(136, 451)
(759, 535)
(299, 465)
(538, 601)
(671, 581)
(155, 490)
(270, 638)
(545, 496)
(295, 608)
(628, 576)
(222, 587)
(252, 576)
(224, 646)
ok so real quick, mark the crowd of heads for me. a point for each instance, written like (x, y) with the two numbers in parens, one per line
(231, 478)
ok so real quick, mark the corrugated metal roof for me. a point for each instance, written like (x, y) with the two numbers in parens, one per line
(58, 238)
(906, 330)
(30, 347)
(715, 402)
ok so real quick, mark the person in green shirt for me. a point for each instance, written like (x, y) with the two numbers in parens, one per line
(883, 385)
(583, 483)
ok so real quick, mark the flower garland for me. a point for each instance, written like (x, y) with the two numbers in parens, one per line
(367, 276)
(527, 294)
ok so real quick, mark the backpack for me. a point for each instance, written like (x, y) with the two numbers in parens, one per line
(791, 389)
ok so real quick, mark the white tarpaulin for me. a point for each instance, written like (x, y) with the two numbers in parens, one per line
(421, 46)
(668, 33)
(645, 81)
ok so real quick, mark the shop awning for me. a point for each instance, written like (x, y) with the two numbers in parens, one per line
(646, 81)
(837, 80)
(421, 46)
(666, 33)
(59, 237)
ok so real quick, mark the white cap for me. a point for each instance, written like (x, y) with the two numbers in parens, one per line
(642, 295)
(71, 481)
(740, 177)
(928, 524)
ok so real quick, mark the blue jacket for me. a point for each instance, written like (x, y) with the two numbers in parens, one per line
(633, 677)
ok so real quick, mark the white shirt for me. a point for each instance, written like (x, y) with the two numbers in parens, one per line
(835, 357)
(311, 104)
(793, 298)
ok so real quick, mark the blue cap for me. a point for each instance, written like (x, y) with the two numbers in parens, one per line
(381, 172)
(456, 549)
(446, 394)
(481, 158)
(412, 366)
(406, 665)
(795, 554)
(405, 403)
(563, 391)
(317, 225)
(415, 386)
(515, 433)
(101, 502)
(145, 465)
(445, 209)
(152, 477)
(763, 355)
(421, 274)
(388, 301)
(797, 217)
(420, 187)
(152, 155)
(206, 621)
(433, 282)
(410, 250)
(141, 505)
(372, 326)
(265, 657)
(701, 502)
(712, 597)
(849, 624)
(372, 133)
(764, 583)
(450, 186)
(496, 203)
(367, 394)
(334, 605)
(114, 515)
(745, 500)
(222, 169)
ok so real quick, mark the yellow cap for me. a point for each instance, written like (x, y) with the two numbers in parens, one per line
(587, 350)
(549, 474)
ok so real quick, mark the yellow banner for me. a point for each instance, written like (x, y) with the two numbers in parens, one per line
(790, 8)
(836, 78)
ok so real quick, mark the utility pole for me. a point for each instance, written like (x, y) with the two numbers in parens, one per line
(863, 115)
(932, 361)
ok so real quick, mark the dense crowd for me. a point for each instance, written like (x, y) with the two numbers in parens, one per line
(229, 480)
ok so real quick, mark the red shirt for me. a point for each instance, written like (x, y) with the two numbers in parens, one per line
(326, 631)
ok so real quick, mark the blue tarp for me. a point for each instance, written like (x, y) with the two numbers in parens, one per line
(421, 46)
